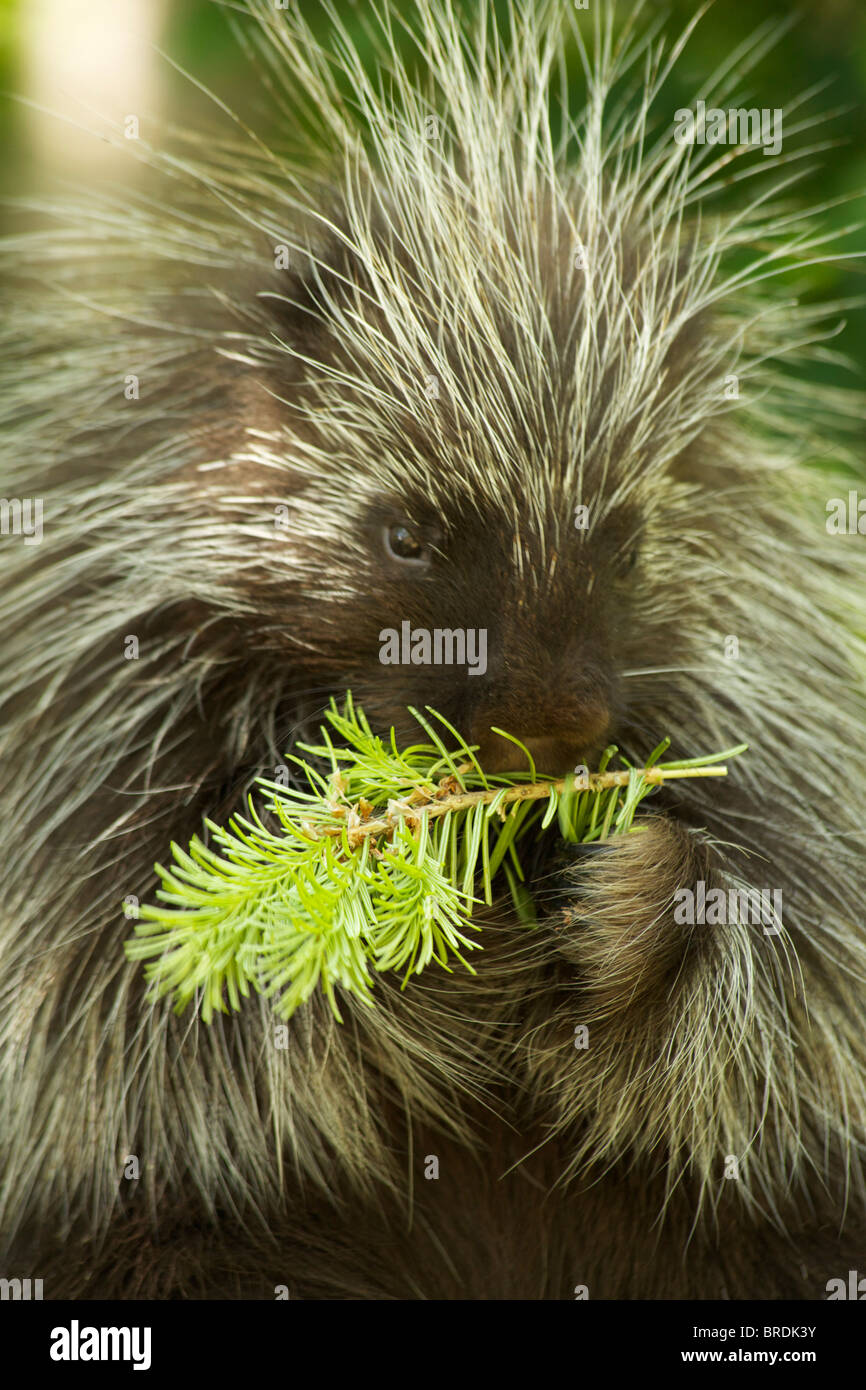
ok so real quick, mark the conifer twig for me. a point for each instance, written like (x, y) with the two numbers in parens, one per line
(464, 801)
(375, 866)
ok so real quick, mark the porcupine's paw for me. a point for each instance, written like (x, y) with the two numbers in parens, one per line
(624, 1036)
(612, 912)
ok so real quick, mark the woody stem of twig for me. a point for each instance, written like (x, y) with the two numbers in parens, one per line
(533, 791)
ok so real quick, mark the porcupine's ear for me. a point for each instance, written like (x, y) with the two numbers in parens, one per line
(273, 334)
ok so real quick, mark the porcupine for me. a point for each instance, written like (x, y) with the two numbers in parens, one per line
(496, 310)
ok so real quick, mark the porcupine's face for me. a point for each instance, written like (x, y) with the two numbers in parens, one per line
(450, 607)
(541, 641)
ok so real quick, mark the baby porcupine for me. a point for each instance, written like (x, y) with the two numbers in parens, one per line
(494, 312)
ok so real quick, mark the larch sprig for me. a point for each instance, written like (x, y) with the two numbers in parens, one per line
(373, 866)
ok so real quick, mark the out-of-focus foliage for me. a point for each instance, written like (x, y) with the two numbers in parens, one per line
(825, 43)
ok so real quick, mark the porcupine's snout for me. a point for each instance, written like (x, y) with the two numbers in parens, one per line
(559, 733)
(556, 696)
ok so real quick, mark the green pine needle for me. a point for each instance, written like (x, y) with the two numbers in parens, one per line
(374, 866)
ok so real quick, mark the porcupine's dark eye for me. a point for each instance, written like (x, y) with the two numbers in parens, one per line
(404, 543)
(628, 562)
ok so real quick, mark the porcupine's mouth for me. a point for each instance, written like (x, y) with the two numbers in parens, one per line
(555, 752)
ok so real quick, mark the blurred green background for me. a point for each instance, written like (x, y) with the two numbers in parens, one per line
(825, 43)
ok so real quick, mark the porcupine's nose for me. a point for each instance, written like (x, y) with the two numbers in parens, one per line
(557, 744)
